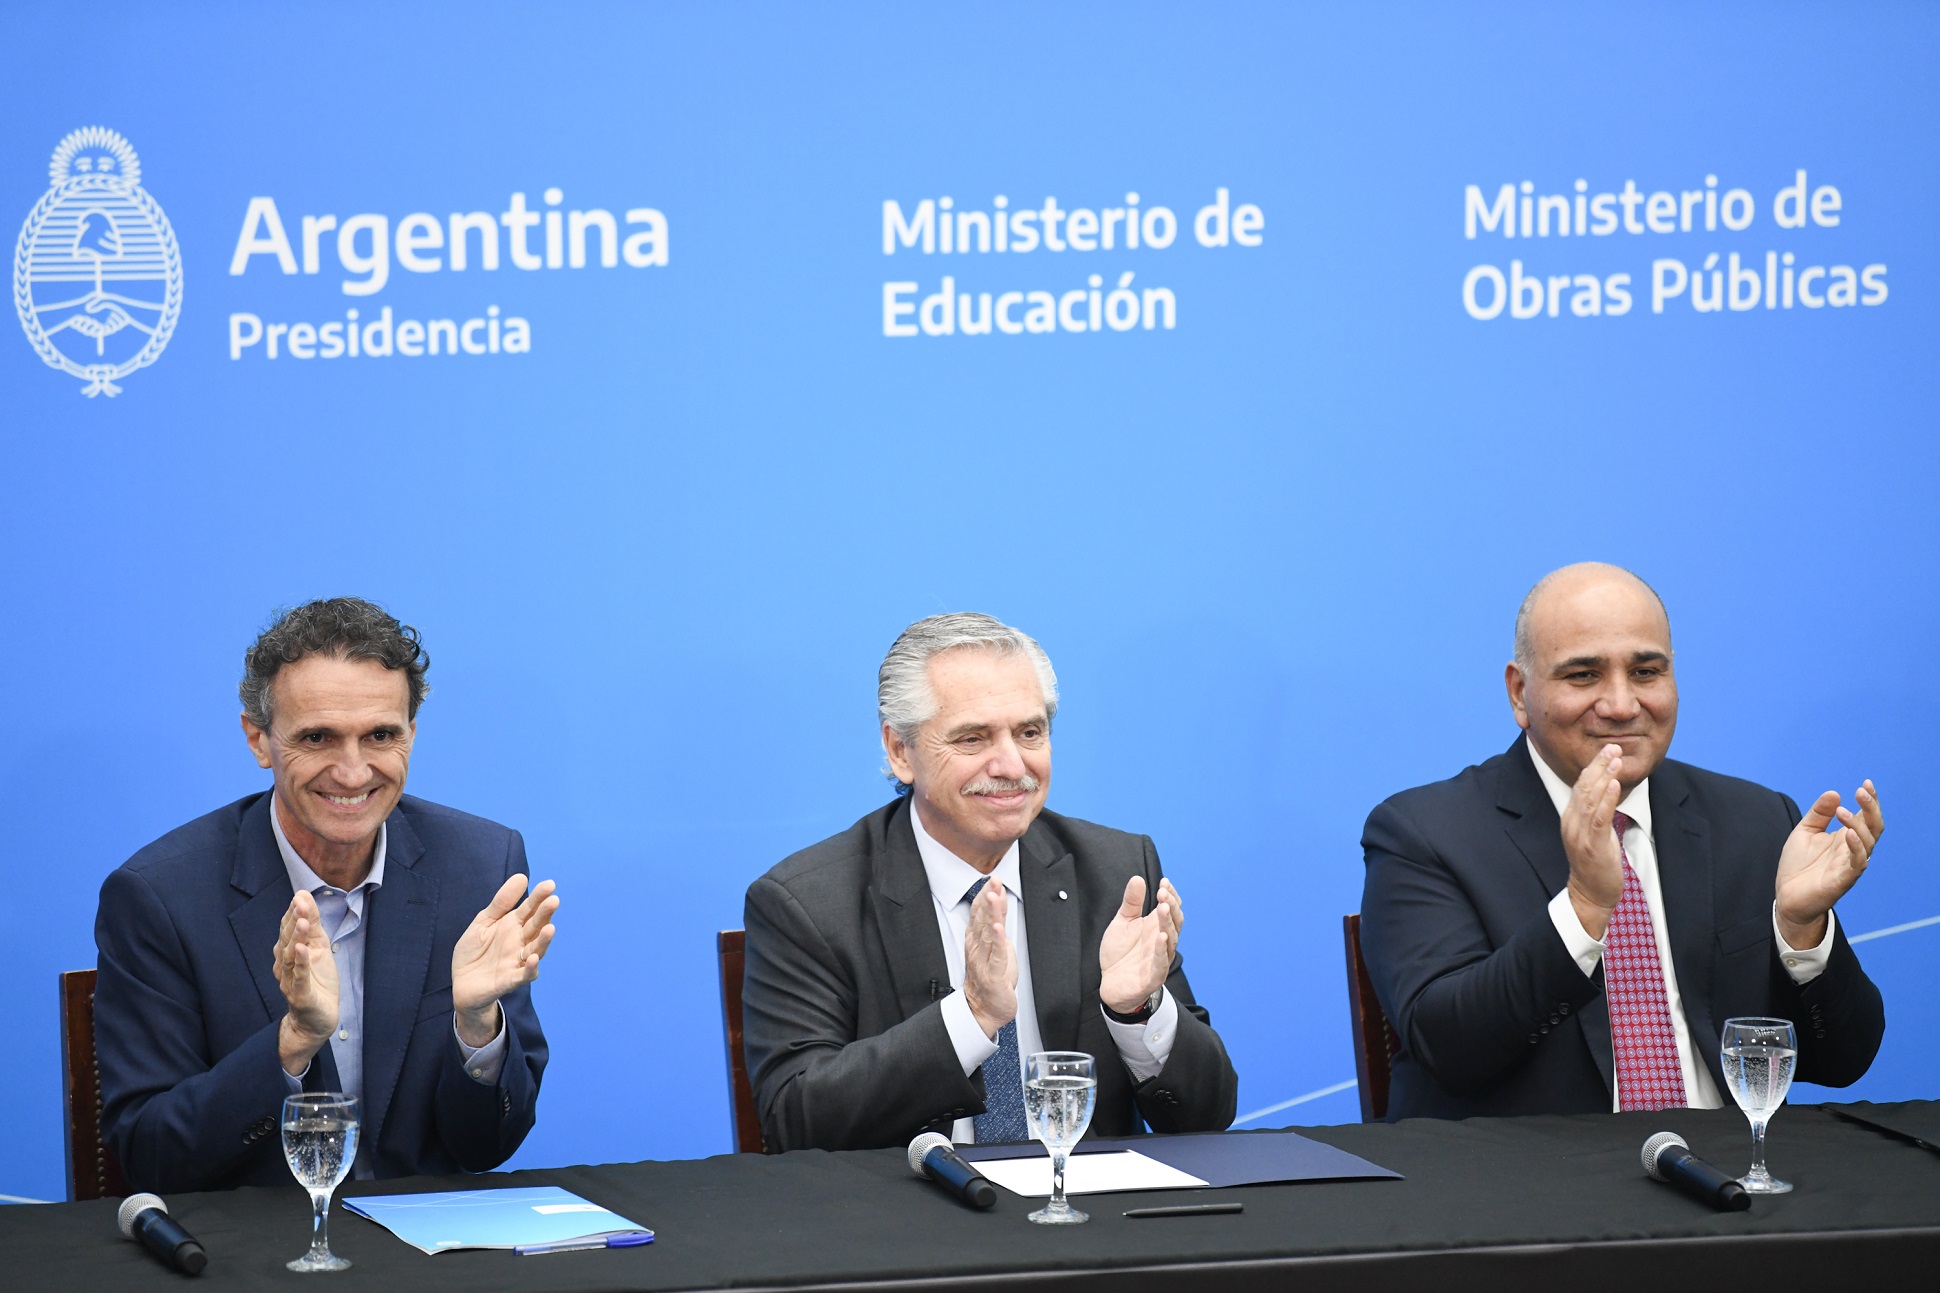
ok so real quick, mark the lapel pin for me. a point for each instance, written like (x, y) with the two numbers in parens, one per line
(1062, 895)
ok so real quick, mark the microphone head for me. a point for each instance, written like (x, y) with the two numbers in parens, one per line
(1655, 1146)
(133, 1206)
(919, 1149)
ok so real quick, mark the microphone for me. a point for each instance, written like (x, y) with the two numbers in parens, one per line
(1668, 1158)
(931, 1154)
(145, 1217)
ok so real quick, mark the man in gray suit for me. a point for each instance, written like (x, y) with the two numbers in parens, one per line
(898, 973)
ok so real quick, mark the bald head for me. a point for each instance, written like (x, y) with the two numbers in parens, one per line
(1591, 579)
(1593, 668)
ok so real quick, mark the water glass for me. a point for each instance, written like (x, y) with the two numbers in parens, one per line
(1759, 1056)
(1059, 1089)
(320, 1142)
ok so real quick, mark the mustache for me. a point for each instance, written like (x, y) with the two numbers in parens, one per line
(1003, 786)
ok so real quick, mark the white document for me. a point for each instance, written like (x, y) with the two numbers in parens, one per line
(1087, 1174)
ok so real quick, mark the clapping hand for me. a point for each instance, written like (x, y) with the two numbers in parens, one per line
(306, 971)
(1817, 866)
(990, 962)
(1135, 955)
(498, 952)
(1590, 841)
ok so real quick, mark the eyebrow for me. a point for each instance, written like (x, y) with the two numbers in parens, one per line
(969, 729)
(325, 729)
(1594, 661)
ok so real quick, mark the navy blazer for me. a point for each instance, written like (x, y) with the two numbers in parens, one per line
(186, 1006)
(1493, 1014)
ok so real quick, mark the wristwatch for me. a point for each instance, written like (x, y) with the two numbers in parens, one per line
(1139, 1016)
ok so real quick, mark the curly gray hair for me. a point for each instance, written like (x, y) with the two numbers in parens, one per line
(348, 628)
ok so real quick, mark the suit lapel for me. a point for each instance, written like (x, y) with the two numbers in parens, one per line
(1529, 818)
(403, 922)
(263, 887)
(899, 897)
(1052, 923)
(259, 873)
(1682, 837)
(1536, 830)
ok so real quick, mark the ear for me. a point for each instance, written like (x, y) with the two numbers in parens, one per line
(1512, 679)
(897, 751)
(258, 740)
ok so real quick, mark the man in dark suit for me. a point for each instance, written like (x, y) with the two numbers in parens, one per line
(322, 937)
(898, 973)
(1566, 927)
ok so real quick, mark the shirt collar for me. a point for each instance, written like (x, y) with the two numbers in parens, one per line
(1635, 805)
(950, 876)
(302, 877)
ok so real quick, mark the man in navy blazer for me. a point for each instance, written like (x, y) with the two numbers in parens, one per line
(333, 934)
(1495, 900)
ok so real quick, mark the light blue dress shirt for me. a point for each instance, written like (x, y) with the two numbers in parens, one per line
(342, 916)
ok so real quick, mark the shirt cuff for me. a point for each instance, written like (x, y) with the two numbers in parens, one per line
(1146, 1047)
(973, 1045)
(295, 1082)
(1583, 949)
(1804, 966)
(482, 1063)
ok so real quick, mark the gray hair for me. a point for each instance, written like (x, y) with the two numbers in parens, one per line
(1525, 651)
(348, 628)
(904, 698)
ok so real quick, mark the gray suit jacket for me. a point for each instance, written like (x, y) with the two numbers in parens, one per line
(845, 1039)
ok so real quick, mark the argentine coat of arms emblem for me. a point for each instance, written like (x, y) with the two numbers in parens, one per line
(97, 277)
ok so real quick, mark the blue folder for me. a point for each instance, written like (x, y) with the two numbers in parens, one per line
(524, 1217)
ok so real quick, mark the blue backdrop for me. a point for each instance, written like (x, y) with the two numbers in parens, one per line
(1273, 541)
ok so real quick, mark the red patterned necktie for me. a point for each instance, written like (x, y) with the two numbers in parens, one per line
(1648, 1073)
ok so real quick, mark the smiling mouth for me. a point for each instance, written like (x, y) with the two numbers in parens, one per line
(347, 801)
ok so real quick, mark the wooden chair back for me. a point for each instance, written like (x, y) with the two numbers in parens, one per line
(1375, 1044)
(93, 1172)
(732, 946)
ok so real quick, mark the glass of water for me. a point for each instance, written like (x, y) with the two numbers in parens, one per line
(1759, 1055)
(320, 1142)
(1059, 1090)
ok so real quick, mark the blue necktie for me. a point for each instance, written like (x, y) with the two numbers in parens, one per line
(1003, 1080)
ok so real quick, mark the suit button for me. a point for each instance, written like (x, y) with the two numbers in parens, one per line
(1563, 1009)
(1554, 1020)
(1534, 1038)
(1544, 1030)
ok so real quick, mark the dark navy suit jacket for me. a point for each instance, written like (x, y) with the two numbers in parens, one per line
(1495, 1016)
(186, 1005)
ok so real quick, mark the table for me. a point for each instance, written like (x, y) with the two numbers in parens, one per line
(1487, 1204)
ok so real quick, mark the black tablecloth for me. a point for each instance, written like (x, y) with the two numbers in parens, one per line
(1483, 1201)
(1914, 1120)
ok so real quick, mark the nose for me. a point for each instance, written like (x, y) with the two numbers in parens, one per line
(1618, 703)
(1006, 759)
(350, 768)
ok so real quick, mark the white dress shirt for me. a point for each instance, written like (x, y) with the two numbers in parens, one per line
(342, 916)
(1640, 846)
(1144, 1048)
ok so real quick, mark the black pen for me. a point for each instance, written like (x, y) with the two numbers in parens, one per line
(1188, 1210)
